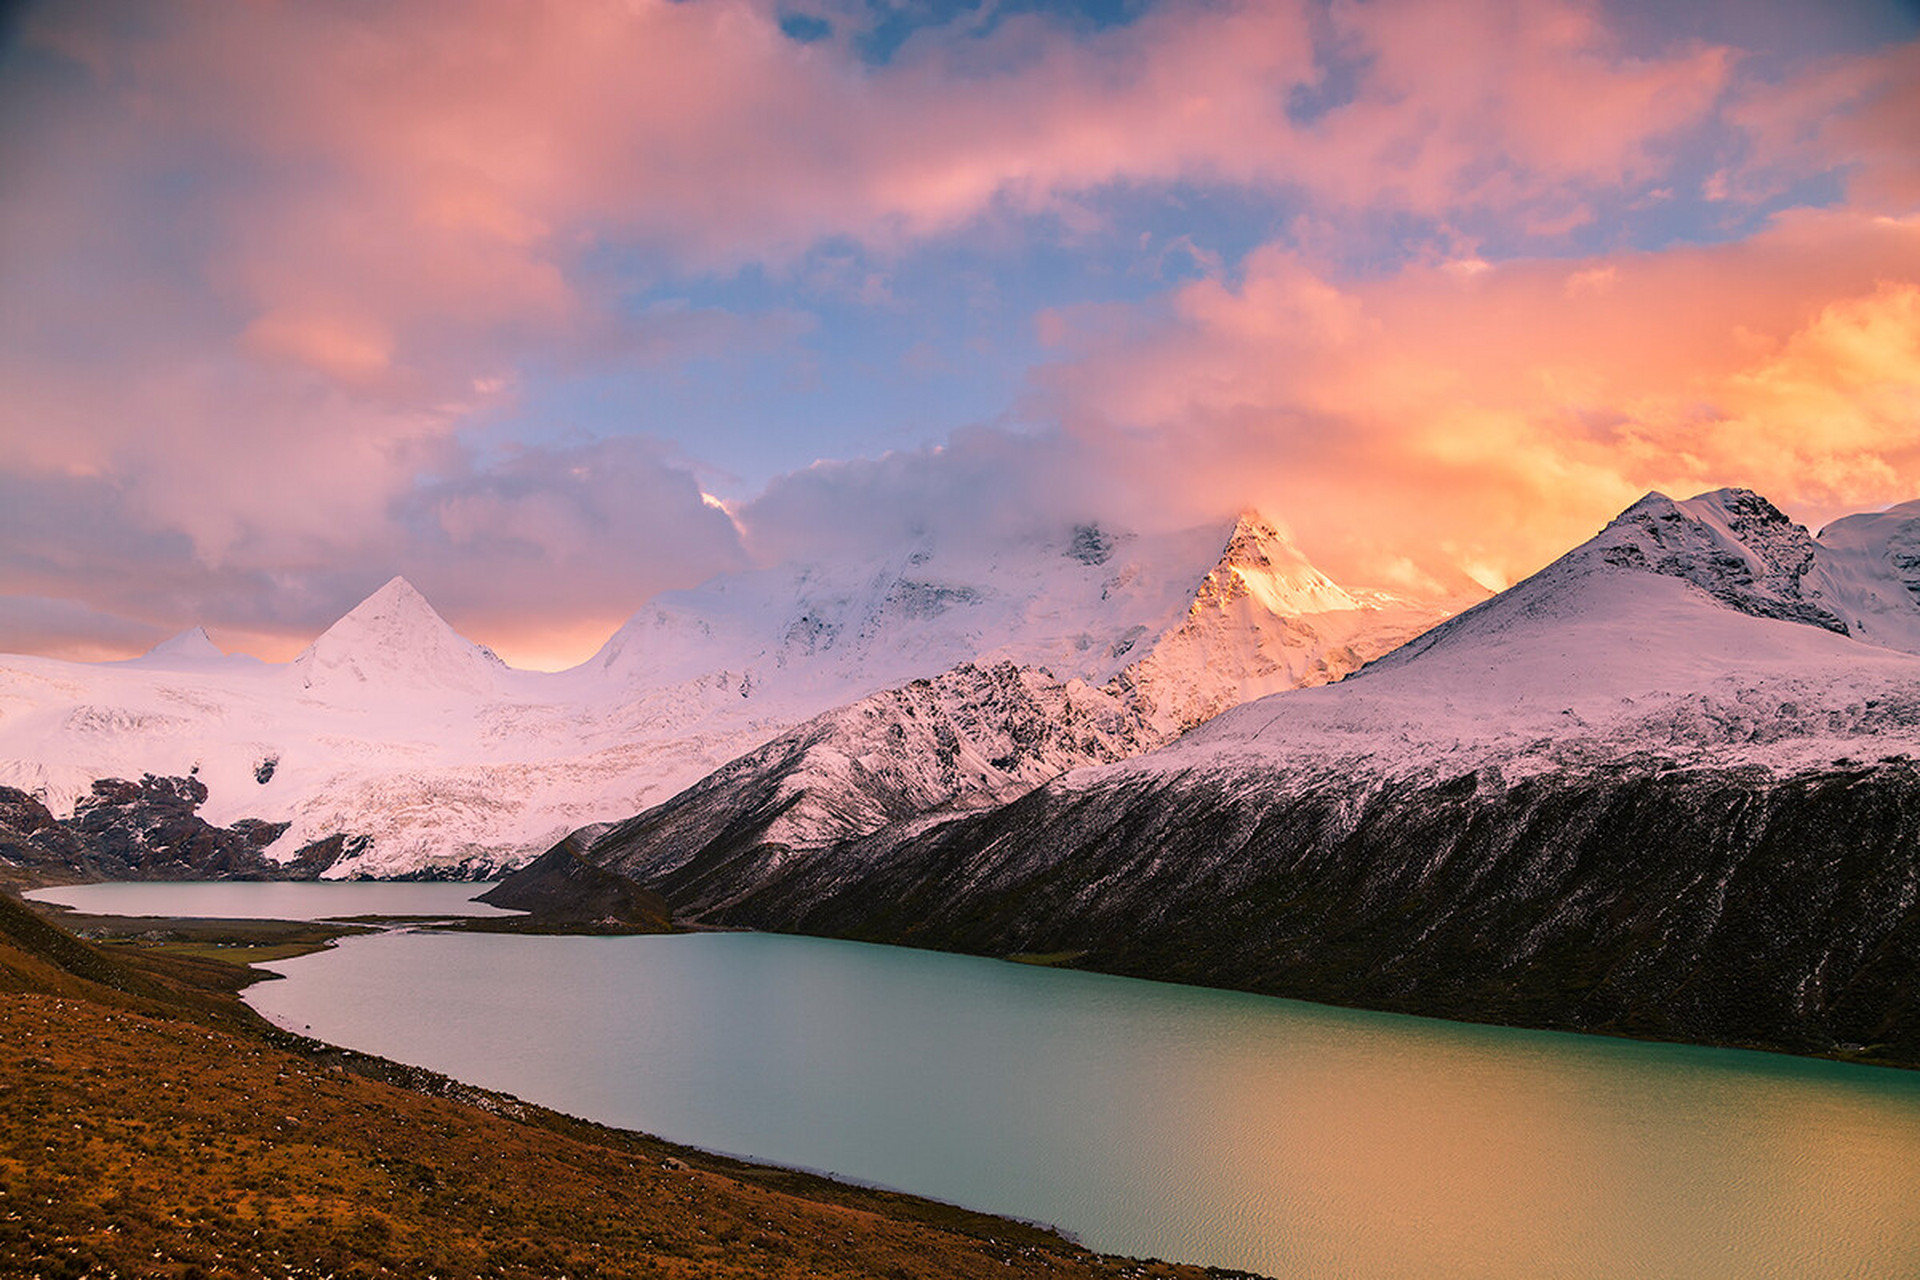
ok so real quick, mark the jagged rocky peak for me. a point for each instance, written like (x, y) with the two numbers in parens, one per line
(1252, 535)
(194, 644)
(1263, 620)
(395, 641)
(1731, 543)
(1732, 548)
(1260, 561)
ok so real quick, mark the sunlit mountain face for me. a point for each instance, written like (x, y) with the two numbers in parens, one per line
(553, 311)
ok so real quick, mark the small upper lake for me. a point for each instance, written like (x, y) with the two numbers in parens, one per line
(273, 899)
(1147, 1118)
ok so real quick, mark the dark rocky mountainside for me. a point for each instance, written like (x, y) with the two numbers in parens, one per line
(561, 888)
(974, 736)
(145, 830)
(35, 847)
(1699, 905)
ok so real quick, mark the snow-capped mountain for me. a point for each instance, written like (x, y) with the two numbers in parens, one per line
(1264, 620)
(1706, 629)
(394, 729)
(391, 644)
(1076, 604)
(968, 738)
(1261, 618)
(1665, 786)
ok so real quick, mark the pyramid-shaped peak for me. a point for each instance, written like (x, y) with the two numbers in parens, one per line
(396, 639)
(397, 593)
(397, 612)
(192, 643)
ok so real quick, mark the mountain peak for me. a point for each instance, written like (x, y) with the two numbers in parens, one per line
(396, 592)
(1254, 540)
(1731, 546)
(395, 640)
(1731, 543)
(1259, 560)
(192, 643)
(1264, 619)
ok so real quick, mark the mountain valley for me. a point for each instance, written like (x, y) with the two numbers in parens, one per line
(1665, 787)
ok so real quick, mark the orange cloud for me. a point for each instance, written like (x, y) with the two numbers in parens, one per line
(1491, 419)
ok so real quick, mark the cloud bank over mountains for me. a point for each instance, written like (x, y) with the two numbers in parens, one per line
(554, 307)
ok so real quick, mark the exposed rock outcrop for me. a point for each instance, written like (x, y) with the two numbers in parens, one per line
(145, 830)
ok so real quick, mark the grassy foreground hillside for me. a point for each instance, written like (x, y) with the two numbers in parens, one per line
(152, 1125)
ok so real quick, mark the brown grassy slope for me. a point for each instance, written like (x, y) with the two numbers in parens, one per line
(144, 1142)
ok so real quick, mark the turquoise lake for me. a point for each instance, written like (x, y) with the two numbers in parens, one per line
(1153, 1119)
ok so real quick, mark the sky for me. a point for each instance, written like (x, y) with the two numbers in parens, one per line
(552, 307)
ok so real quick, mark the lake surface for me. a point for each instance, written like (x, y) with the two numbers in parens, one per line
(273, 899)
(1154, 1119)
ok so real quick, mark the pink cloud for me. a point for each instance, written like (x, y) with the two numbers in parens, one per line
(405, 198)
(1508, 106)
(464, 150)
(1856, 112)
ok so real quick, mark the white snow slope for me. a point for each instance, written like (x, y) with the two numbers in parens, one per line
(392, 726)
(1709, 631)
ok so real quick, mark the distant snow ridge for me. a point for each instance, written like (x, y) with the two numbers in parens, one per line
(1075, 604)
(1870, 567)
(191, 645)
(393, 727)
